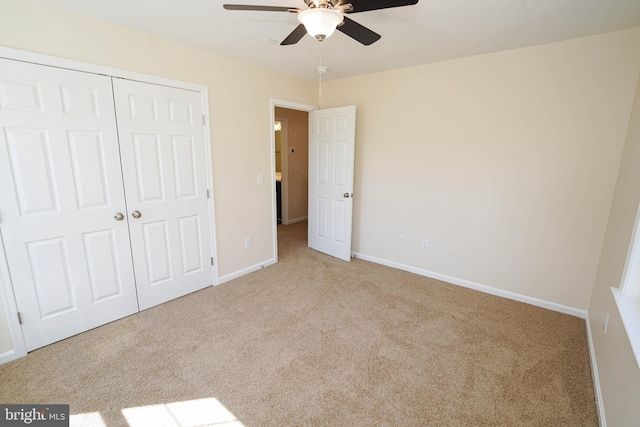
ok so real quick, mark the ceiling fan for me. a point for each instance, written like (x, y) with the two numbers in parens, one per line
(322, 17)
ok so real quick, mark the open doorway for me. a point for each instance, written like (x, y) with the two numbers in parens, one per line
(292, 158)
(290, 163)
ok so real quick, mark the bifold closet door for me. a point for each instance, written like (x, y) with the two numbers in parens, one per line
(163, 161)
(60, 196)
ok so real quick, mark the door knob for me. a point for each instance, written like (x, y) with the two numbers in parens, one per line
(118, 216)
(136, 214)
(347, 195)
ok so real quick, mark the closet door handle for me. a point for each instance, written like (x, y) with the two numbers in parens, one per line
(118, 216)
(136, 214)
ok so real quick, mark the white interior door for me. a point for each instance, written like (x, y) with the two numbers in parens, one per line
(69, 258)
(331, 164)
(163, 159)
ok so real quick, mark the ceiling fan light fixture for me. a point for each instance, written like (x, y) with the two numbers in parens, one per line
(320, 22)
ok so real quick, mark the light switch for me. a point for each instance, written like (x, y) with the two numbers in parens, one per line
(260, 179)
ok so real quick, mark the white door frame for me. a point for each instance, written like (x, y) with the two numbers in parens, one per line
(6, 287)
(10, 308)
(273, 103)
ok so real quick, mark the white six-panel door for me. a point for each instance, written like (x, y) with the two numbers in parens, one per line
(331, 167)
(163, 161)
(61, 186)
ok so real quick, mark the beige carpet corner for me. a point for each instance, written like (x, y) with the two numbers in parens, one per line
(315, 341)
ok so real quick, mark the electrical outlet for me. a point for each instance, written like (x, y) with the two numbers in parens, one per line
(605, 323)
(425, 244)
(247, 242)
(295, 204)
(400, 239)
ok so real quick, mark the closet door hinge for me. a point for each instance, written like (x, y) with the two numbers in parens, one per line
(204, 122)
(19, 318)
(211, 260)
(207, 193)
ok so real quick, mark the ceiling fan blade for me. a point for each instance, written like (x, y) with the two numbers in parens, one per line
(367, 5)
(358, 32)
(258, 8)
(295, 36)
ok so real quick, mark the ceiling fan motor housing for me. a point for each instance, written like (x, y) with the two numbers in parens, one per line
(320, 22)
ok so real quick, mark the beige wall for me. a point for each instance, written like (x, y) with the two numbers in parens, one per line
(506, 162)
(617, 366)
(297, 162)
(239, 100)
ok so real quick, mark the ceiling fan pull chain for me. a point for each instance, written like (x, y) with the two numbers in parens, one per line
(321, 71)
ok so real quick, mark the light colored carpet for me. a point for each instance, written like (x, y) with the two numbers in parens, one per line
(316, 341)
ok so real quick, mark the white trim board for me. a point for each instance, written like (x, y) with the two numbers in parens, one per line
(245, 271)
(8, 302)
(210, 186)
(10, 355)
(630, 314)
(476, 286)
(70, 64)
(596, 380)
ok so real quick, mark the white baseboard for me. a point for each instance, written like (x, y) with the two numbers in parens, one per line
(244, 271)
(293, 221)
(596, 379)
(476, 286)
(10, 355)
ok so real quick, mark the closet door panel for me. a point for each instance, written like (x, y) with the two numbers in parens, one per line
(69, 259)
(162, 151)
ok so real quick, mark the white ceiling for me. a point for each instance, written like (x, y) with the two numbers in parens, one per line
(432, 30)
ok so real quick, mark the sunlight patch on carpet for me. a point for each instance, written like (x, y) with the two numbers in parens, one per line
(189, 413)
(90, 419)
